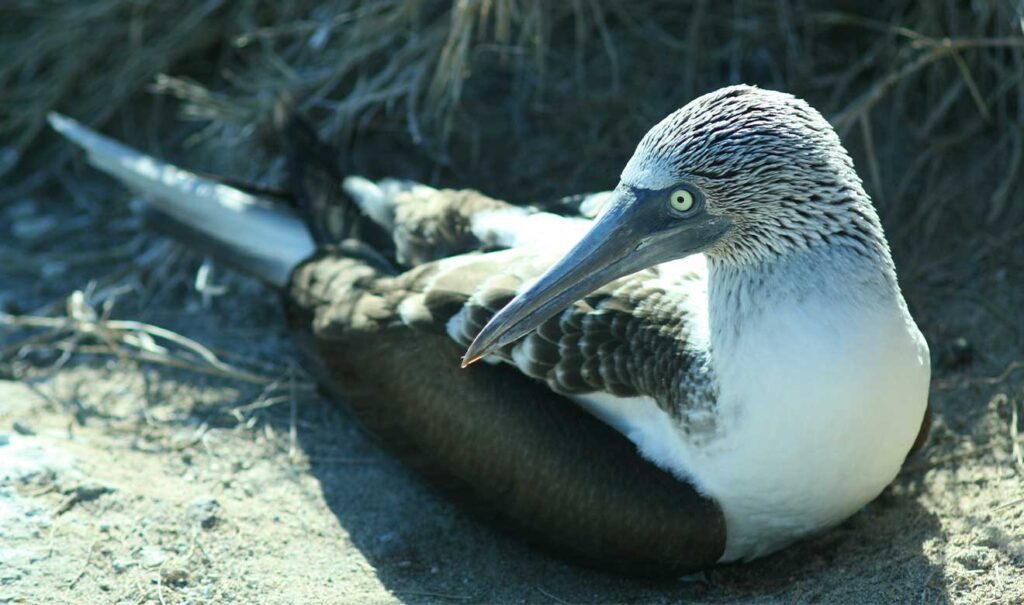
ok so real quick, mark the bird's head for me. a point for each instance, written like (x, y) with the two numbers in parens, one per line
(741, 174)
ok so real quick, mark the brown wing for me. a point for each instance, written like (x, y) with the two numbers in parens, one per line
(506, 443)
(425, 224)
(432, 224)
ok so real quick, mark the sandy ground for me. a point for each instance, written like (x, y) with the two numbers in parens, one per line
(129, 483)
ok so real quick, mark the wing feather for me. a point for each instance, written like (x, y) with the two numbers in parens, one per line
(503, 442)
(623, 339)
(428, 224)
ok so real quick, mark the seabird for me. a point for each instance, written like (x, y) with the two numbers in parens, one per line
(719, 363)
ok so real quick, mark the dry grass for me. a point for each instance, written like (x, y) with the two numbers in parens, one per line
(506, 94)
(85, 330)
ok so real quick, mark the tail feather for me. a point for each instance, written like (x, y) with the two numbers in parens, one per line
(250, 233)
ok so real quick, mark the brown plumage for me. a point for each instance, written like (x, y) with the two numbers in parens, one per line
(498, 441)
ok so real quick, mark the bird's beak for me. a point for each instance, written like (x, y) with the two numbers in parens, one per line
(635, 231)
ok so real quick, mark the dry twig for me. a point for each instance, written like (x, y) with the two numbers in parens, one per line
(126, 339)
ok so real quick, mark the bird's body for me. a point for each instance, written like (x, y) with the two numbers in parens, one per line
(776, 381)
(789, 393)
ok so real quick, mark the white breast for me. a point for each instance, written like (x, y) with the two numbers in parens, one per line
(818, 406)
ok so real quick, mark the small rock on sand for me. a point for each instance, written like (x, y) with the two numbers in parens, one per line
(205, 511)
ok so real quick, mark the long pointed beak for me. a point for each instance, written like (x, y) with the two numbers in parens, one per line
(632, 234)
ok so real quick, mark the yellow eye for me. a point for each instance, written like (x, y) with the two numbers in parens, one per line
(681, 200)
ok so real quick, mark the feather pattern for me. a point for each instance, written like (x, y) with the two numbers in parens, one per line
(631, 337)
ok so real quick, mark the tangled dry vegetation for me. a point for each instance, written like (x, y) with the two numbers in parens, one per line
(508, 93)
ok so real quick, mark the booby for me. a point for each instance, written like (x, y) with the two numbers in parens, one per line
(721, 362)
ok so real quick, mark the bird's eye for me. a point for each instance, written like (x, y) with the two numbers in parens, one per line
(681, 200)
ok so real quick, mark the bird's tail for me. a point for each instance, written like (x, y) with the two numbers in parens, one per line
(251, 233)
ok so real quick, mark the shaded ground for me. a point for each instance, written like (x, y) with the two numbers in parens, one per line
(130, 483)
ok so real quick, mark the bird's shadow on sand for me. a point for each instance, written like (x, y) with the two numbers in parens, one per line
(424, 548)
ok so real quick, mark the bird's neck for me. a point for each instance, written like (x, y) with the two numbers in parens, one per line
(742, 296)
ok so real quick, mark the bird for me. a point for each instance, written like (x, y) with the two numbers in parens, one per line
(703, 365)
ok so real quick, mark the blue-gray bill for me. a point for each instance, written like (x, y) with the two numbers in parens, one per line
(637, 230)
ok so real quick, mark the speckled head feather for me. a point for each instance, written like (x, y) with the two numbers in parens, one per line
(770, 162)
